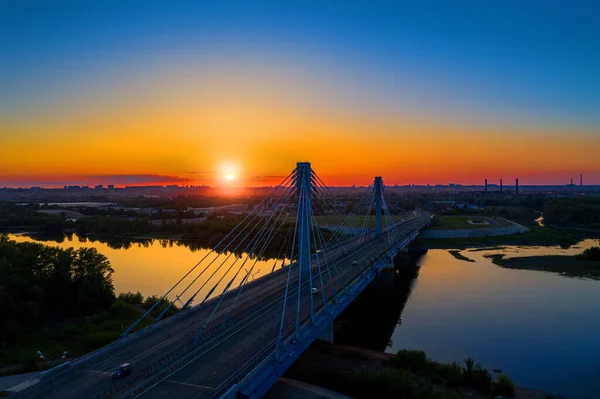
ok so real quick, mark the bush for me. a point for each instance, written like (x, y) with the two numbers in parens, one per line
(413, 360)
(123, 310)
(384, 384)
(592, 253)
(99, 339)
(162, 305)
(132, 298)
(452, 373)
(482, 379)
(10, 330)
(469, 370)
(504, 386)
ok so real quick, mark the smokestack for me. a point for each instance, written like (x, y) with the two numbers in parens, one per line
(517, 185)
(580, 179)
(571, 181)
(485, 185)
(500, 185)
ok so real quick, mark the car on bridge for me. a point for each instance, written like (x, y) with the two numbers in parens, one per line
(315, 290)
(122, 371)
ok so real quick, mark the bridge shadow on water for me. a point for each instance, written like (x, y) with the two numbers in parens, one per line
(369, 321)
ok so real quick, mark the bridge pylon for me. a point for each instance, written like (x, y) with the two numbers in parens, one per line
(304, 223)
(378, 193)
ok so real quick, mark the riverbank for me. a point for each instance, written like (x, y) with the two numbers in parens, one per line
(535, 236)
(362, 373)
(570, 266)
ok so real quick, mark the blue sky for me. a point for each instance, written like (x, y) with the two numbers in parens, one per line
(532, 62)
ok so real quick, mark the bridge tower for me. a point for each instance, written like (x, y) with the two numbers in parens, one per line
(378, 192)
(304, 192)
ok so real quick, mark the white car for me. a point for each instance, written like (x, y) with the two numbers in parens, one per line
(354, 263)
(315, 290)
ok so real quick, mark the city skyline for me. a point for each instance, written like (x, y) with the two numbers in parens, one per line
(119, 183)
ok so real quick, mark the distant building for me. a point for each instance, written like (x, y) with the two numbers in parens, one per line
(111, 186)
(99, 187)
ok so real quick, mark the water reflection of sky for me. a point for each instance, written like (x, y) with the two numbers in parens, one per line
(540, 328)
(154, 266)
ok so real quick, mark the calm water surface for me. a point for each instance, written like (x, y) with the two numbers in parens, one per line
(540, 328)
(154, 266)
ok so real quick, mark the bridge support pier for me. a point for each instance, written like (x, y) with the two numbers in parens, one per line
(390, 263)
(327, 335)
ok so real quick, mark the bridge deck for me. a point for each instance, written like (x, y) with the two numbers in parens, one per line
(165, 363)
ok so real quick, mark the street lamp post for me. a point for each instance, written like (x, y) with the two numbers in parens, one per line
(52, 363)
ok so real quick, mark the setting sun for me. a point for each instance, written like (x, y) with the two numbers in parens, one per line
(229, 176)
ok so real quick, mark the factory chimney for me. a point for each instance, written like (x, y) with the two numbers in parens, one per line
(517, 186)
(500, 185)
(485, 189)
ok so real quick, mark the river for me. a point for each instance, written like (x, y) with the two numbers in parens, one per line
(152, 267)
(540, 328)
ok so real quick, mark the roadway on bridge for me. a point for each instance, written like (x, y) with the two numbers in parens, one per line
(214, 363)
(201, 377)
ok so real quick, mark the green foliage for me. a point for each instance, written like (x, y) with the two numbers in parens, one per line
(476, 376)
(581, 211)
(592, 253)
(469, 369)
(13, 215)
(131, 298)
(385, 384)
(41, 283)
(162, 305)
(10, 330)
(504, 386)
(99, 339)
(451, 374)
(413, 360)
(482, 379)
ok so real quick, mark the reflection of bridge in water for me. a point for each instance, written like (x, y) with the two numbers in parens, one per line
(235, 336)
(359, 325)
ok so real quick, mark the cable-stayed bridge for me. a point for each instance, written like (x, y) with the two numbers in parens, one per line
(235, 335)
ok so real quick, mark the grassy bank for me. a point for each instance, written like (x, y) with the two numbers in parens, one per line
(409, 374)
(535, 236)
(461, 222)
(570, 266)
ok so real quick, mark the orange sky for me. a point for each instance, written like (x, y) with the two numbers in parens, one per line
(184, 129)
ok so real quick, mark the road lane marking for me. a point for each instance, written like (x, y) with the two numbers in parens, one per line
(190, 385)
(100, 372)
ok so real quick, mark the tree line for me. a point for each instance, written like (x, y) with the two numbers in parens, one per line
(19, 216)
(40, 283)
(584, 211)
